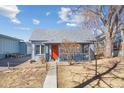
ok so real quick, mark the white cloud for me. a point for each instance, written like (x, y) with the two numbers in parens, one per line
(36, 22)
(71, 24)
(77, 18)
(48, 13)
(11, 12)
(22, 28)
(66, 15)
(16, 21)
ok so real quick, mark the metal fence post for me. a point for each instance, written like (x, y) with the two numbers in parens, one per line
(8, 65)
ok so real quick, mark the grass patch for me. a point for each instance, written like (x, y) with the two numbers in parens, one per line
(74, 75)
(24, 76)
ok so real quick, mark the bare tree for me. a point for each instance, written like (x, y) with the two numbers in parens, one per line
(68, 49)
(106, 19)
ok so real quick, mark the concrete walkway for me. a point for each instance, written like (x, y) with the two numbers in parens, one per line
(51, 79)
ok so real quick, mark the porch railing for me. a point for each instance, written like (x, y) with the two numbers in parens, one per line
(73, 56)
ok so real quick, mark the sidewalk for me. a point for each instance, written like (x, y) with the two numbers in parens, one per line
(51, 79)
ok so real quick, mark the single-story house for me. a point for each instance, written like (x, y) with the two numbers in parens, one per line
(10, 46)
(47, 44)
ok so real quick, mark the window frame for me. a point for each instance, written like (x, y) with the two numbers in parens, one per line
(36, 50)
(40, 49)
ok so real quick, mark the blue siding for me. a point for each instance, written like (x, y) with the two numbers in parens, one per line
(23, 48)
(8, 45)
(76, 56)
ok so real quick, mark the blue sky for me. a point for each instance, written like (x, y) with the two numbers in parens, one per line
(20, 21)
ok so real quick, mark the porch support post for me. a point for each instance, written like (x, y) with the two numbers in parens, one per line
(89, 52)
(82, 52)
(122, 50)
(58, 52)
(40, 49)
(46, 51)
(33, 51)
(50, 52)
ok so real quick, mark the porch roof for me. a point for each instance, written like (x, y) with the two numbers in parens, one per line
(56, 36)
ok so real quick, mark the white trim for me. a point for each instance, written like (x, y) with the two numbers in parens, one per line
(33, 51)
(50, 52)
(58, 52)
(89, 52)
(40, 49)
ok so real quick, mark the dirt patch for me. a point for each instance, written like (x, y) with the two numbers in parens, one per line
(24, 76)
(83, 74)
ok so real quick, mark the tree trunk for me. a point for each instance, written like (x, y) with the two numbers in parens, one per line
(108, 45)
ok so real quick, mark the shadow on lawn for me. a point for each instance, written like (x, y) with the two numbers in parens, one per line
(99, 77)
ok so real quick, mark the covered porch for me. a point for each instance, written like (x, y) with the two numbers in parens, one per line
(53, 52)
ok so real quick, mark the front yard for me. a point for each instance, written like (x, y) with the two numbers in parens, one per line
(26, 75)
(110, 74)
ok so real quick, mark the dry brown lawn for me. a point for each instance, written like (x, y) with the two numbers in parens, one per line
(26, 75)
(83, 74)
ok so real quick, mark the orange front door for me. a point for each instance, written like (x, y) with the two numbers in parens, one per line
(54, 51)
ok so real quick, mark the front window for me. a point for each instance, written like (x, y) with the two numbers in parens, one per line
(39, 49)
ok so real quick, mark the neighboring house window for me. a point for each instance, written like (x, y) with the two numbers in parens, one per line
(85, 49)
(117, 46)
(101, 44)
(37, 49)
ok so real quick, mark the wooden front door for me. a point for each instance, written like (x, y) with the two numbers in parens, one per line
(54, 51)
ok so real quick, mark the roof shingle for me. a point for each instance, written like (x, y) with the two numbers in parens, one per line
(58, 35)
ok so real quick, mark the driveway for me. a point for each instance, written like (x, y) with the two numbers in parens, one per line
(13, 61)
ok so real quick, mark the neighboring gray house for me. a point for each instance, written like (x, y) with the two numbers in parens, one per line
(46, 43)
(8, 45)
(25, 48)
(117, 47)
(12, 46)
